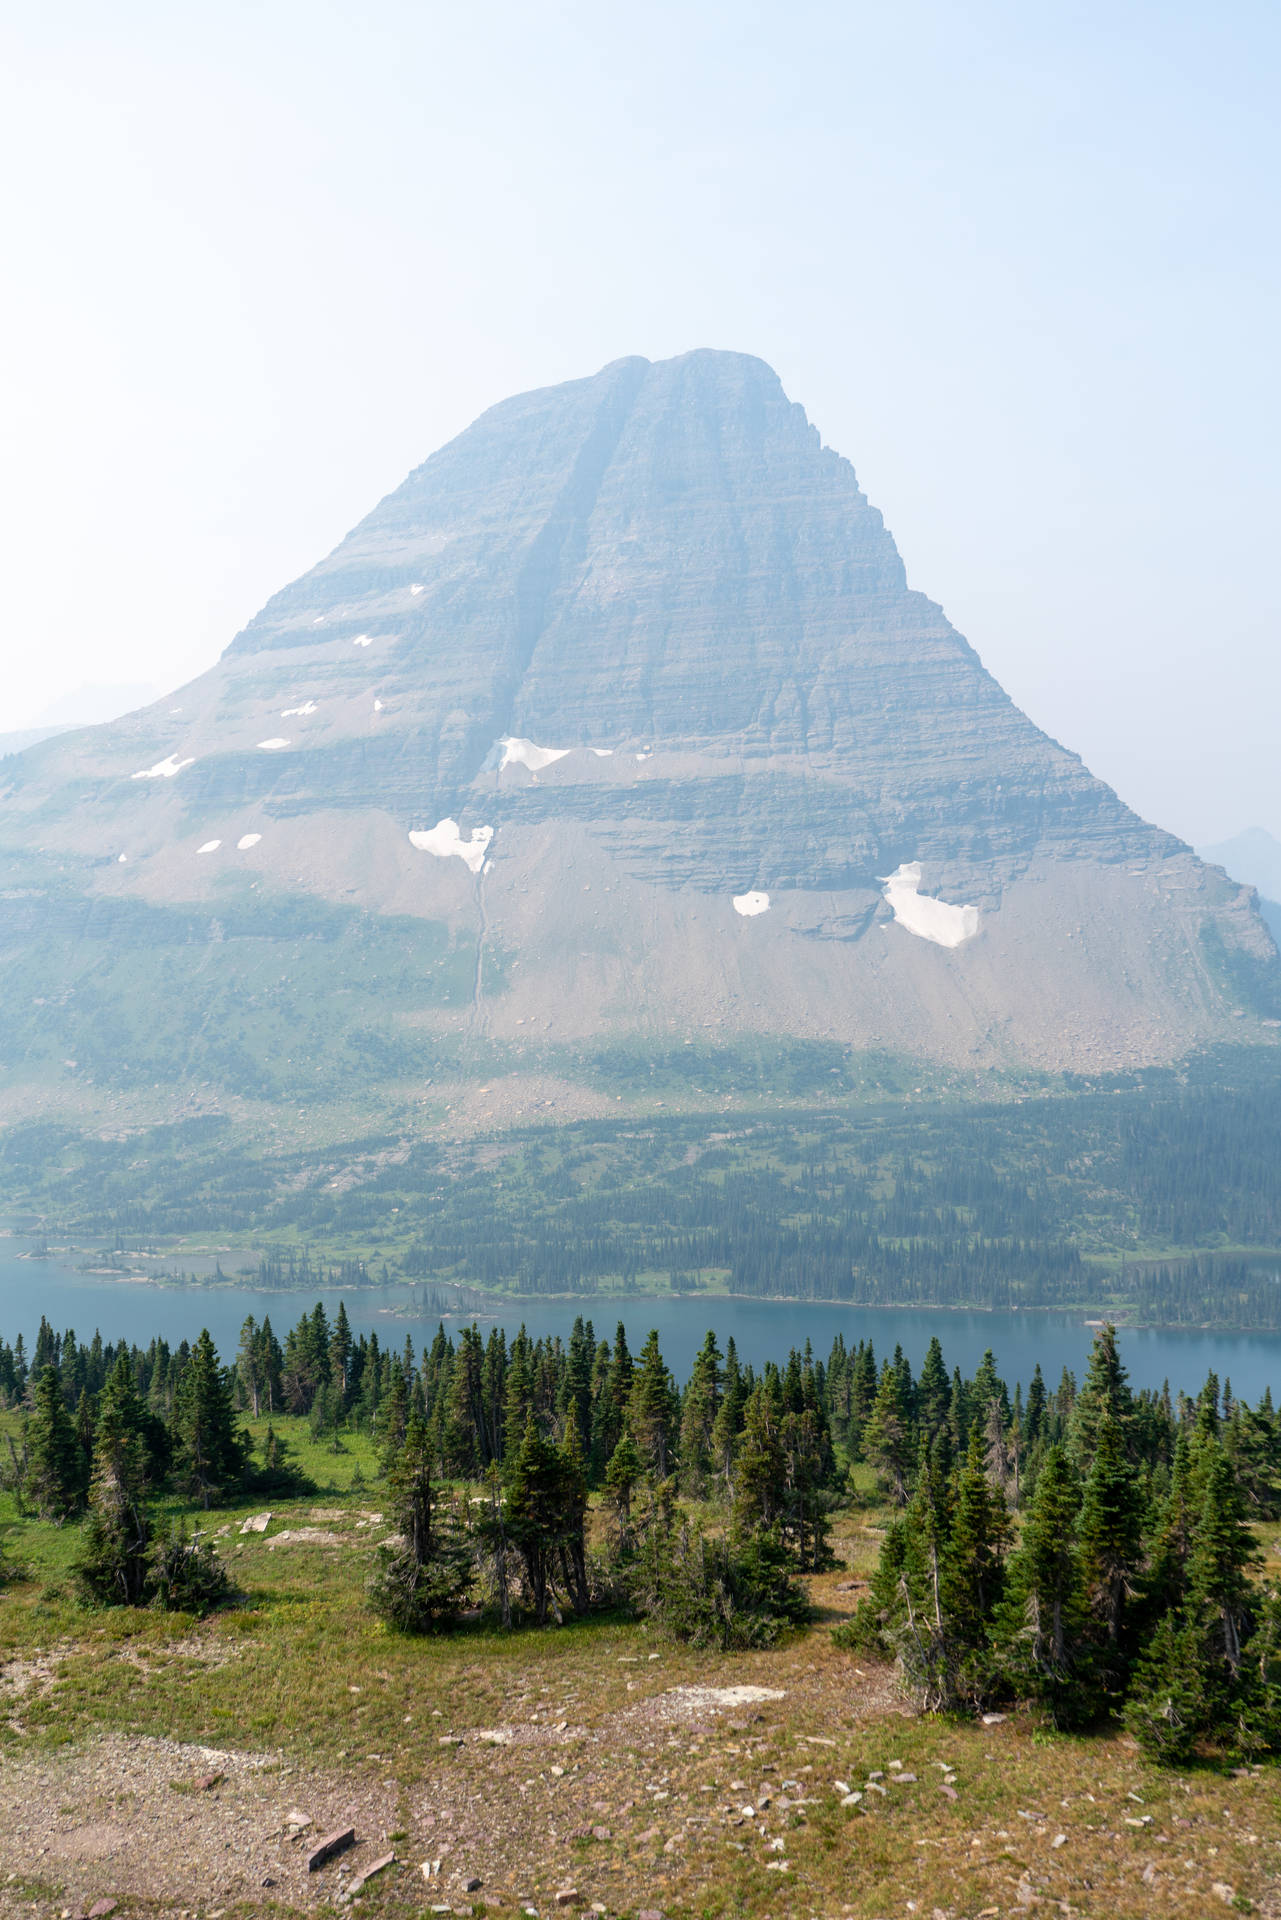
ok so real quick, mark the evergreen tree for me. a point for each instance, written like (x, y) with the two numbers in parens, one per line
(1105, 1396)
(393, 1415)
(1110, 1536)
(422, 1582)
(1043, 1627)
(210, 1452)
(888, 1443)
(56, 1475)
(760, 1475)
(934, 1391)
(698, 1415)
(341, 1346)
(973, 1571)
(545, 1514)
(114, 1565)
(621, 1477)
(653, 1410)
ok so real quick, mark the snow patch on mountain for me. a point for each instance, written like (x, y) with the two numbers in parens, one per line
(164, 769)
(523, 753)
(444, 839)
(210, 846)
(273, 745)
(246, 841)
(920, 913)
(750, 903)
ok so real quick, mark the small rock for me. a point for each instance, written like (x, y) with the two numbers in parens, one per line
(473, 1885)
(651, 1913)
(993, 1719)
(946, 1788)
(903, 1779)
(256, 1523)
(1149, 1874)
(430, 1869)
(1059, 1840)
(1222, 1891)
(210, 1780)
(650, 1833)
(101, 1908)
(601, 1833)
(449, 1740)
(333, 1843)
(375, 1866)
(851, 1799)
(569, 1897)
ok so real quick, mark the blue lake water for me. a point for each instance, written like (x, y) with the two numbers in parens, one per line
(762, 1329)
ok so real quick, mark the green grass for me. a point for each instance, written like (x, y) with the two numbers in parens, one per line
(298, 1670)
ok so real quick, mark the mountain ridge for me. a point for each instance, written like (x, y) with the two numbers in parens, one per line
(625, 655)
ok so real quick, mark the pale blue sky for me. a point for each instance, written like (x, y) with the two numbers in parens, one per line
(1019, 262)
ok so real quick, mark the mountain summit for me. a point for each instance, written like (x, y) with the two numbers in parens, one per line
(617, 726)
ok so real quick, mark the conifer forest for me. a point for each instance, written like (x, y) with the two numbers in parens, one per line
(1068, 1547)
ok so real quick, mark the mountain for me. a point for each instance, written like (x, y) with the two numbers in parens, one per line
(615, 731)
(1254, 858)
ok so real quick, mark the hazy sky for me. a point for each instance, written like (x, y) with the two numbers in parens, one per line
(1019, 262)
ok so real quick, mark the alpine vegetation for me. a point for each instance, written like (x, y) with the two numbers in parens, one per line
(1088, 1551)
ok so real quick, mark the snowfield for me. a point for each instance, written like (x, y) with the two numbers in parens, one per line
(523, 753)
(930, 919)
(164, 769)
(444, 839)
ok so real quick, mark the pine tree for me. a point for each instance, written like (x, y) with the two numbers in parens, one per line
(934, 1391)
(340, 1352)
(888, 1443)
(760, 1475)
(1043, 1627)
(56, 1476)
(653, 1409)
(114, 1566)
(210, 1452)
(621, 1476)
(1105, 1396)
(1171, 1543)
(973, 1570)
(422, 1582)
(698, 1415)
(393, 1417)
(1224, 1551)
(545, 1513)
(1110, 1536)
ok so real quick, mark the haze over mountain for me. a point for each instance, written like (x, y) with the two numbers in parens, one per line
(615, 728)
(1254, 858)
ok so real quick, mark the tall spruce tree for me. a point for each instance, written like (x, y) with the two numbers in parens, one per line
(113, 1569)
(56, 1478)
(653, 1410)
(1043, 1627)
(1110, 1538)
(210, 1453)
(421, 1582)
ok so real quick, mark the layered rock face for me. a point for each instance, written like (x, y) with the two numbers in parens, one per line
(627, 686)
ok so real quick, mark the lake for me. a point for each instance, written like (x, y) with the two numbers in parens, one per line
(762, 1329)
